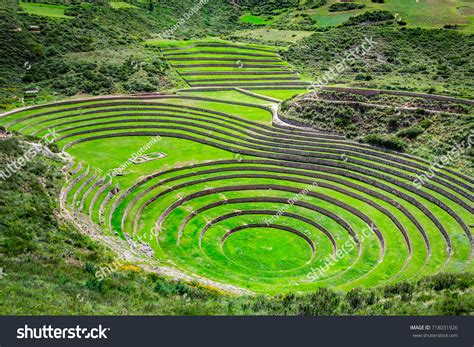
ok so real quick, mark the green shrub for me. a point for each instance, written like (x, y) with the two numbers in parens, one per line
(444, 281)
(451, 26)
(323, 302)
(393, 121)
(370, 17)
(96, 285)
(363, 77)
(311, 4)
(385, 141)
(358, 298)
(410, 133)
(345, 6)
(425, 123)
(456, 305)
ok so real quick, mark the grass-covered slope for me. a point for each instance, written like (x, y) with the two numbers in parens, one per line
(226, 64)
(434, 61)
(320, 14)
(97, 49)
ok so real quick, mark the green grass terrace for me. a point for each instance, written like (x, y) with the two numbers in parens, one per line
(223, 193)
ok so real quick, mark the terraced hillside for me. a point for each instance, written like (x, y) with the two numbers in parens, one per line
(219, 64)
(212, 185)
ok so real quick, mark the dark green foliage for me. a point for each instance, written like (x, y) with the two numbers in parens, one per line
(47, 61)
(259, 7)
(456, 305)
(10, 147)
(402, 288)
(69, 77)
(363, 77)
(294, 21)
(451, 26)
(370, 17)
(359, 298)
(394, 121)
(385, 141)
(410, 133)
(345, 6)
(446, 282)
(310, 4)
(322, 303)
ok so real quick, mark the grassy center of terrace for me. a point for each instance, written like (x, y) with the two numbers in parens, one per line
(267, 249)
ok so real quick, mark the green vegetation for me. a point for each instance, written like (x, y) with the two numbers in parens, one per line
(224, 160)
(385, 141)
(423, 127)
(256, 20)
(434, 61)
(225, 64)
(48, 10)
(311, 4)
(121, 4)
(370, 18)
(268, 7)
(423, 13)
(345, 6)
(204, 181)
(269, 36)
(46, 60)
(61, 278)
(294, 21)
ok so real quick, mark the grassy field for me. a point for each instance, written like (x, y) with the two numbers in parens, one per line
(422, 13)
(121, 4)
(48, 10)
(271, 35)
(256, 20)
(65, 281)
